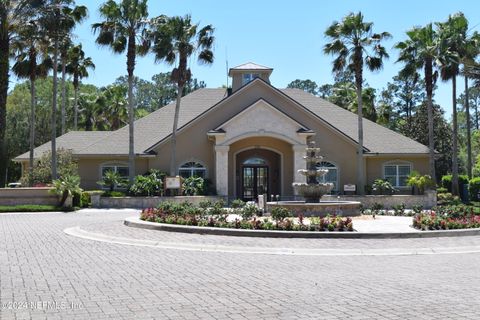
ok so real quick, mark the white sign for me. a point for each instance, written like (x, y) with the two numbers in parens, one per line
(173, 182)
(349, 187)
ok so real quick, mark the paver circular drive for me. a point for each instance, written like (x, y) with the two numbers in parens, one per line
(40, 265)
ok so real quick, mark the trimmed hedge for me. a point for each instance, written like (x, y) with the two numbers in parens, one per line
(447, 182)
(474, 189)
(31, 208)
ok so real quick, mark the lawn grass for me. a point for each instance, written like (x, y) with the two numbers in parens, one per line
(32, 208)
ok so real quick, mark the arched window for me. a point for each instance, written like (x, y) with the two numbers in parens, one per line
(255, 161)
(331, 176)
(192, 169)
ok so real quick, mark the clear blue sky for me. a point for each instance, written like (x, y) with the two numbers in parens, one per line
(284, 35)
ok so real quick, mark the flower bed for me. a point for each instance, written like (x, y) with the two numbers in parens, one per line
(216, 215)
(448, 218)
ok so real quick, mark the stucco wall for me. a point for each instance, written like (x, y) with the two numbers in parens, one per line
(16, 196)
(90, 170)
(375, 165)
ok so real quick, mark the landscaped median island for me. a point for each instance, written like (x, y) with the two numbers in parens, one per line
(448, 218)
(241, 216)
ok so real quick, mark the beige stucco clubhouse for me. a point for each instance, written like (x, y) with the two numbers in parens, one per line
(248, 140)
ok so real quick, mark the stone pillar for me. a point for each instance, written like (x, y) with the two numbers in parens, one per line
(299, 162)
(221, 170)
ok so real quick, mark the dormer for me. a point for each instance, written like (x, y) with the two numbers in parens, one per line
(244, 73)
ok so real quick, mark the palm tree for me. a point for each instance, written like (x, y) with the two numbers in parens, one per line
(78, 67)
(125, 29)
(175, 40)
(419, 51)
(471, 51)
(65, 46)
(355, 45)
(13, 14)
(32, 62)
(112, 106)
(59, 17)
(452, 34)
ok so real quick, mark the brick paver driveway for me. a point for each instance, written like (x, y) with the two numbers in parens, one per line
(45, 273)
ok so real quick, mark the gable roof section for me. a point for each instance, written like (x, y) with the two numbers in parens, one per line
(73, 140)
(251, 66)
(377, 139)
(253, 105)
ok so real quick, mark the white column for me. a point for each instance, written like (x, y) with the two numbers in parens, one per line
(221, 169)
(299, 162)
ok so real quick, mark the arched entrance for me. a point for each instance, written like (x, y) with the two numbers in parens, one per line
(258, 172)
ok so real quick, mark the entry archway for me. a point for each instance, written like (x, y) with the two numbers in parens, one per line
(258, 171)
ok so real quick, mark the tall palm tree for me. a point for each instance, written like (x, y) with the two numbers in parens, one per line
(355, 45)
(125, 29)
(471, 50)
(175, 40)
(59, 17)
(31, 62)
(451, 45)
(419, 51)
(65, 46)
(78, 67)
(13, 14)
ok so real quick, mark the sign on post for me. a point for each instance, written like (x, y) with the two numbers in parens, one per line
(349, 187)
(172, 183)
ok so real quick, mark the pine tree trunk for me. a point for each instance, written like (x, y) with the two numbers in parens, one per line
(469, 130)
(455, 189)
(4, 72)
(64, 95)
(431, 137)
(54, 110)
(173, 157)
(32, 130)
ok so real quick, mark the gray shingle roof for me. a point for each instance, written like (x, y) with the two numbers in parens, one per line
(73, 140)
(377, 139)
(157, 126)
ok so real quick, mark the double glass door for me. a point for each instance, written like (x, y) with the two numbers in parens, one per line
(254, 182)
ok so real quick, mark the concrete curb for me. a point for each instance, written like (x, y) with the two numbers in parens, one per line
(185, 246)
(137, 223)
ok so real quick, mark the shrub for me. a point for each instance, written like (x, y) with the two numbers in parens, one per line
(42, 168)
(383, 187)
(249, 210)
(149, 184)
(66, 186)
(85, 200)
(113, 194)
(193, 186)
(112, 180)
(474, 189)
(376, 209)
(420, 182)
(280, 213)
(237, 203)
(447, 182)
(447, 199)
(442, 190)
(399, 209)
